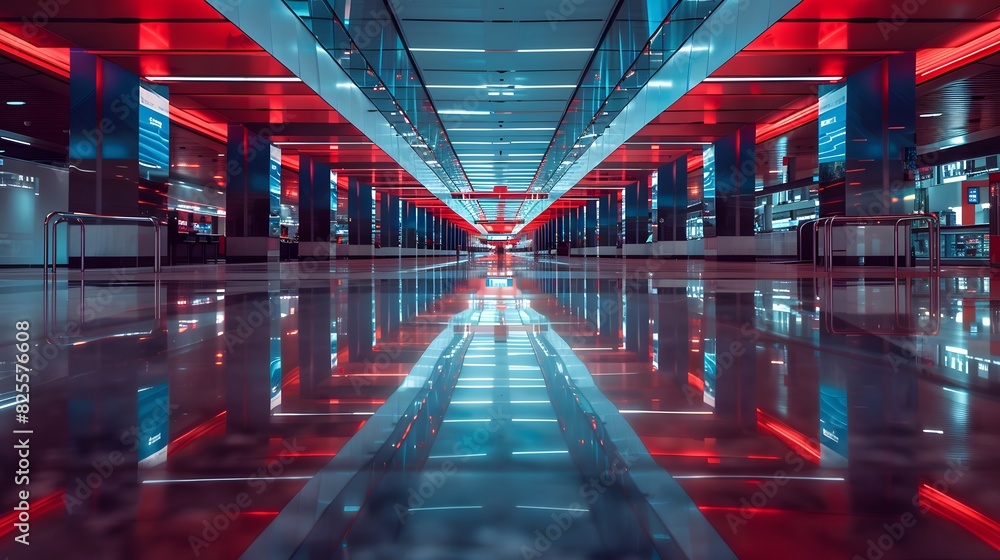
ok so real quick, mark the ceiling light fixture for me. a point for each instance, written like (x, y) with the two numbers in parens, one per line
(15, 141)
(464, 112)
(531, 129)
(437, 50)
(930, 115)
(16, 103)
(555, 50)
(223, 79)
(739, 79)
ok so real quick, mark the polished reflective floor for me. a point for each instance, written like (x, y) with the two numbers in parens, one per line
(554, 408)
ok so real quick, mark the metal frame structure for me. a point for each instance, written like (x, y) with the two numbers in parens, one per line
(55, 218)
(933, 226)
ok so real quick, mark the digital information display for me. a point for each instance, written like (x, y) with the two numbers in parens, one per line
(274, 188)
(709, 190)
(154, 135)
(499, 282)
(153, 423)
(972, 195)
(832, 147)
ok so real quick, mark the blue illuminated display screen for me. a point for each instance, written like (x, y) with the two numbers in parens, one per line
(973, 195)
(153, 423)
(499, 282)
(274, 188)
(154, 135)
(832, 145)
(708, 190)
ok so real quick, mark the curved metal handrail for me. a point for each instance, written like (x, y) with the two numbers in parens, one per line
(798, 235)
(933, 231)
(56, 218)
(934, 225)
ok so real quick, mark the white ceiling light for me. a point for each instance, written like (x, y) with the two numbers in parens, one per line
(464, 112)
(930, 115)
(531, 129)
(554, 50)
(739, 79)
(15, 141)
(222, 79)
(427, 49)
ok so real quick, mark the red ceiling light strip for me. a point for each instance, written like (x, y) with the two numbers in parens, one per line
(971, 520)
(56, 62)
(52, 60)
(801, 117)
(797, 441)
(40, 507)
(932, 63)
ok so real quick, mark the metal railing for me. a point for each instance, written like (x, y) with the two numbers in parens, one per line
(934, 228)
(55, 218)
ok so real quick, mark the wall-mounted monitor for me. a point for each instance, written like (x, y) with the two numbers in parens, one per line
(154, 135)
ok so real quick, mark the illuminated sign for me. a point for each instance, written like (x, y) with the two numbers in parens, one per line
(972, 195)
(500, 282)
(154, 135)
(274, 189)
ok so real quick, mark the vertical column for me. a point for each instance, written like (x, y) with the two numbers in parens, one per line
(637, 212)
(608, 222)
(438, 245)
(574, 227)
(409, 227)
(388, 215)
(590, 227)
(104, 156)
(359, 211)
(317, 208)
(672, 204)
(734, 197)
(421, 227)
(248, 198)
(867, 139)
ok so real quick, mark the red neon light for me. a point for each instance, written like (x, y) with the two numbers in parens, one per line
(41, 506)
(806, 447)
(696, 382)
(801, 117)
(932, 63)
(971, 520)
(187, 438)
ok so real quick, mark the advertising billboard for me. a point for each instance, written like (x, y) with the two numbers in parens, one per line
(832, 134)
(154, 135)
(274, 188)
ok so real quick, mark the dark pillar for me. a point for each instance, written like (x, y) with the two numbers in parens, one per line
(866, 138)
(409, 225)
(105, 157)
(735, 175)
(317, 208)
(388, 216)
(359, 211)
(574, 227)
(249, 174)
(590, 227)
(672, 201)
(608, 226)
(637, 212)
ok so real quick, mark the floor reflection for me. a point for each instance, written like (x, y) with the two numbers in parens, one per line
(266, 411)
